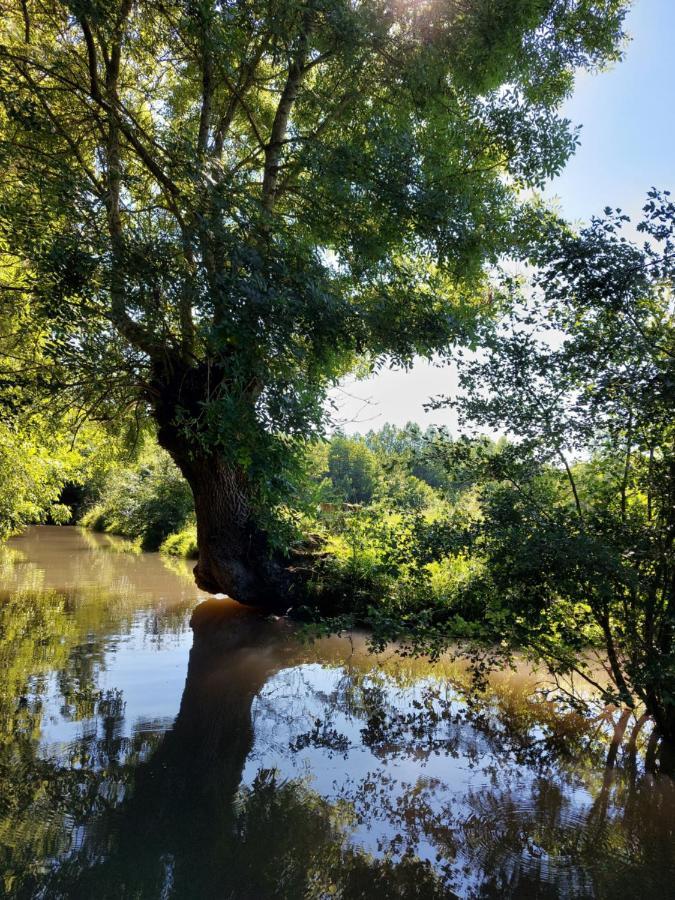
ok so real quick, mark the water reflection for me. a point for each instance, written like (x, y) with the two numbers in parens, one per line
(157, 744)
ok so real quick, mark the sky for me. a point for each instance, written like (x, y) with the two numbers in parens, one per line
(627, 146)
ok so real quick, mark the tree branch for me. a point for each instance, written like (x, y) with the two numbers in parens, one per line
(72, 143)
(111, 103)
(133, 331)
(26, 21)
(273, 149)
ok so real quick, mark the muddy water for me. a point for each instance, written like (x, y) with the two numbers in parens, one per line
(155, 743)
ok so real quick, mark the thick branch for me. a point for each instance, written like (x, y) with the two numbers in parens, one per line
(132, 330)
(92, 64)
(111, 104)
(26, 21)
(207, 88)
(626, 470)
(273, 150)
(237, 93)
(328, 119)
(573, 485)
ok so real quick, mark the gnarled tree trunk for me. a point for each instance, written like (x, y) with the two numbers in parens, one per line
(235, 556)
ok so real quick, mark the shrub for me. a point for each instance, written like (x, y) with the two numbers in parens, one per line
(182, 543)
(147, 500)
(60, 514)
(94, 518)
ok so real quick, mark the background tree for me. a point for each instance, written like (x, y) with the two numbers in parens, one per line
(216, 207)
(353, 469)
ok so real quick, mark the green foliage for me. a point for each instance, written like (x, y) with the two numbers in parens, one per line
(182, 543)
(396, 560)
(60, 514)
(30, 481)
(560, 540)
(147, 500)
(37, 460)
(409, 449)
(394, 563)
(578, 525)
(404, 468)
(352, 470)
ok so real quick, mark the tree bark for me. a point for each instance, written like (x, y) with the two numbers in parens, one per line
(235, 557)
(235, 554)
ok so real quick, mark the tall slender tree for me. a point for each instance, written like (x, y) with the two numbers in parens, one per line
(218, 205)
(577, 527)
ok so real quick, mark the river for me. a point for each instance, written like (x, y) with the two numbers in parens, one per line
(156, 743)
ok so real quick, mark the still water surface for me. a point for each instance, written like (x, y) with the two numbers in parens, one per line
(158, 744)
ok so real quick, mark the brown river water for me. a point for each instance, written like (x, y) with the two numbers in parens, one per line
(155, 743)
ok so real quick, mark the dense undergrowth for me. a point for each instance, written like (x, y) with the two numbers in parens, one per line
(364, 507)
(383, 532)
(146, 501)
(374, 520)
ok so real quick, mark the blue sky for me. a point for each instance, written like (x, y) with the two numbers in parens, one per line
(627, 145)
(628, 132)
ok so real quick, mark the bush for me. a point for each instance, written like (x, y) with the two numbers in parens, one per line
(377, 562)
(94, 518)
(148, 500)
(60, 514)
(182, 543)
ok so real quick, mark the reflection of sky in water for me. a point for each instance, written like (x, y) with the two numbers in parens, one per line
(402, 796)
(295, 698)
(149, 672)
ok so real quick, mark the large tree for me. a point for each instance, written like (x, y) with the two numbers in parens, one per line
(217, 207)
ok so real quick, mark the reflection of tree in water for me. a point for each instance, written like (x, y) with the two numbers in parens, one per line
(184, 828)
(537, 823)
(46, 631)
(53, 646)
(522, 831)
(511, 837)
(40, 639)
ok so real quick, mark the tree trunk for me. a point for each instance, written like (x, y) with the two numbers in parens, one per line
(663, 736)
(235, 557)
(182, 814)
(234, 554)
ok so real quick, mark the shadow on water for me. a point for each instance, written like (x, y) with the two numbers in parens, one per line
(283, 771)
